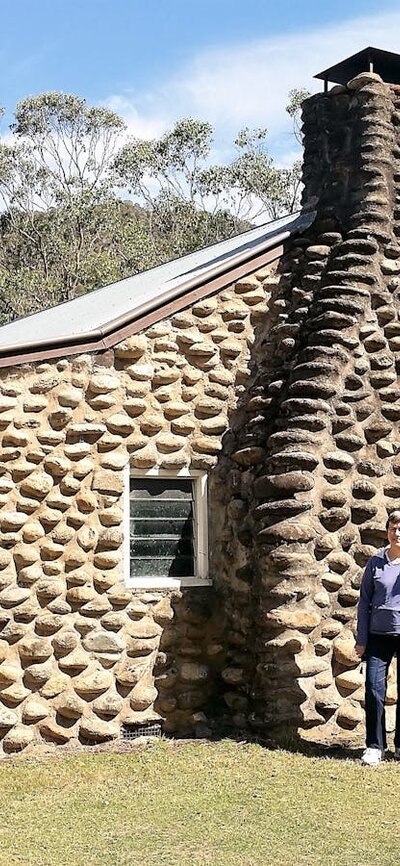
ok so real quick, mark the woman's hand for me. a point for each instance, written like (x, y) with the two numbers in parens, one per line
(359, 650)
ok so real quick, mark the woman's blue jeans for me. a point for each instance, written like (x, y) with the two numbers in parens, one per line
(378, 654)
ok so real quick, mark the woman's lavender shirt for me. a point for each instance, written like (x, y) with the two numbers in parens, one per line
(379, 605)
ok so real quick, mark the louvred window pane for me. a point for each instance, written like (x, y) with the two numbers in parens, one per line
(161, 527)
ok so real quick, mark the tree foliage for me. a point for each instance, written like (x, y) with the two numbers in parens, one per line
(66, 171)
(296, 98)
(57, 196)
(175, 169)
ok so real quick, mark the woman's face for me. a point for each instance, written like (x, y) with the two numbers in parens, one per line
(394, 533)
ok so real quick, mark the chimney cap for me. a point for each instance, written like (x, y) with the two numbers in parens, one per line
(385, 63)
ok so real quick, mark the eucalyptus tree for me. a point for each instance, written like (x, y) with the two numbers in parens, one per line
(296, 98)
(189, 198)
(81, 205)
(57, 198)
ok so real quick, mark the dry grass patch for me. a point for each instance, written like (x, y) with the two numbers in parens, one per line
(220, 804)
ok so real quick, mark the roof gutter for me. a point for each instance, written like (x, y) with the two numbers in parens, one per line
(199, 279)
(99, 338)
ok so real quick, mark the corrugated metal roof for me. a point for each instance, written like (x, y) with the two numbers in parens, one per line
(127, 299)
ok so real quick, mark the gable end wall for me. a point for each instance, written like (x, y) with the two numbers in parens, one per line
(81, 652)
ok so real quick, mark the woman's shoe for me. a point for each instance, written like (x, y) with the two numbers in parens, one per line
(372, 757)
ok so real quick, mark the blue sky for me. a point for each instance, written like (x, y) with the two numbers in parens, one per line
(228, 61)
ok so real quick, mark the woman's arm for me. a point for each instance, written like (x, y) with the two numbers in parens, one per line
(364, 605)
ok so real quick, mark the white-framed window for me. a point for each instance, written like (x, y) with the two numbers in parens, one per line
(166, 537)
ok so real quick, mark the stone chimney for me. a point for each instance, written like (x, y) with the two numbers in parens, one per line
(312, 466)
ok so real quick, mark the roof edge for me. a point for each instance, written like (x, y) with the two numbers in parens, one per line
(207, 282)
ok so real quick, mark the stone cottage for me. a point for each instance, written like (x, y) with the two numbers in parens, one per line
(196, 463)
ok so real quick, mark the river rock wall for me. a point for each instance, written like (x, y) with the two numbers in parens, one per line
(314, 463)
(82, 653)
(284, 388)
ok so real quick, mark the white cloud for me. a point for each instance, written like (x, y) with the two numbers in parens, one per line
(248, 84)
(138, 124)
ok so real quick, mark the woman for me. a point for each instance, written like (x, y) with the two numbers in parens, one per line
(378, 638)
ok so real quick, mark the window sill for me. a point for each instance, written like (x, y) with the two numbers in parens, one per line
(167, 582)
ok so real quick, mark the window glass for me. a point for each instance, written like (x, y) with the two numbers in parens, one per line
(161, 527)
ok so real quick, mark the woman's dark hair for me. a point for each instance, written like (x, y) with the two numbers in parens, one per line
(394, 517)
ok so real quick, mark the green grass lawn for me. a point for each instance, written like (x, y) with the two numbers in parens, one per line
(223, 804)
